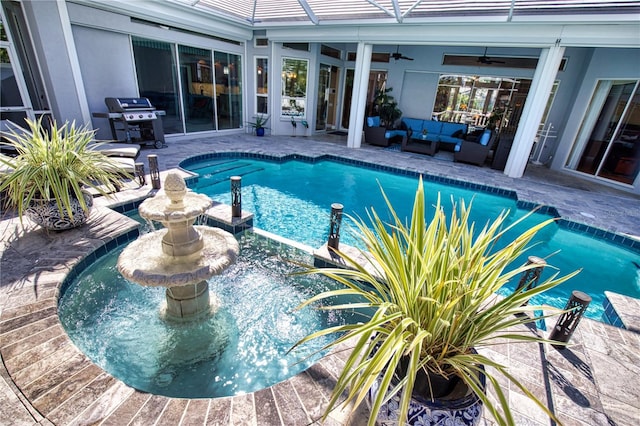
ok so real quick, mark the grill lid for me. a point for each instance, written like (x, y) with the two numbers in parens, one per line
(128, 104)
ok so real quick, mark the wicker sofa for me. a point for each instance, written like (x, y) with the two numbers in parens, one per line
(447, 135)
(379, 136)
(475, 152)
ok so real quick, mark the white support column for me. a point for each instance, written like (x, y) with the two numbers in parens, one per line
(359, 96)
(534, 106)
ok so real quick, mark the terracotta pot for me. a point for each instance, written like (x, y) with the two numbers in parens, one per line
(46, 213)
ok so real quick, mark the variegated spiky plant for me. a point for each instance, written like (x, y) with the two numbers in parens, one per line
(55, 163)
(431, 286)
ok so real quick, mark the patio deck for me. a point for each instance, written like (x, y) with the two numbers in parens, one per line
(46, 380)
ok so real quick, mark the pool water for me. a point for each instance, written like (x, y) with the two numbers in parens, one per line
(293, 199)
(240, 349)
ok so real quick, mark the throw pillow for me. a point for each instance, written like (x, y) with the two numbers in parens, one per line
(484, 139)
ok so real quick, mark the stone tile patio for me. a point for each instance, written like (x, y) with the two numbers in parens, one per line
(46, 380)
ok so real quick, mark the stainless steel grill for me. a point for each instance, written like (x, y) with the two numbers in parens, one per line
(134, 120)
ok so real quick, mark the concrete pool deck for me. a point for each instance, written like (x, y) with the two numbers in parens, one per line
(46, 380)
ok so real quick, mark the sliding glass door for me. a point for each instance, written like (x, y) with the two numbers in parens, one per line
(22, 93)
(608, 143)
(207, 95)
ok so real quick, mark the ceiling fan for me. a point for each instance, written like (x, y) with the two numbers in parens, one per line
(399, 55)
(484, 59)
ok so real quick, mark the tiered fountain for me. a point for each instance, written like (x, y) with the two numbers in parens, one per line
(180, 257)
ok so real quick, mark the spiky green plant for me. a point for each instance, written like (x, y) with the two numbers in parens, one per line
(55, 164)
(433, 301)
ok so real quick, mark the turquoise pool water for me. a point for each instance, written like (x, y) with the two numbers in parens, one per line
(241, 348)
(293, 199)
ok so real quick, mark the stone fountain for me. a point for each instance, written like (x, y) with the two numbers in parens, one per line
(182, 256)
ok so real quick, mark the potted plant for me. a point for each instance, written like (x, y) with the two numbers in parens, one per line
(48, 178)
(259, 124)
(430, 291)
(387, 108)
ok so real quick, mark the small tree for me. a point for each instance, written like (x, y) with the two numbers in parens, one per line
(386, 106)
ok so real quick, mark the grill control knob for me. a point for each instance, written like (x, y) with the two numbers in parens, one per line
(140, 115)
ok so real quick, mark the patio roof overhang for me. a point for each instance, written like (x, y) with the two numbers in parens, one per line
(320, 12)
(502, 22)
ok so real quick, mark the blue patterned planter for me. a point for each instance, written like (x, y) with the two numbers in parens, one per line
(465, 411)
(46, 213)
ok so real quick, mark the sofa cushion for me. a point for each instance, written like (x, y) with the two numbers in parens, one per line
(484, 139)
(450, 128)
(392, 133)
(434, 127)
(414, 124)
(373, 121)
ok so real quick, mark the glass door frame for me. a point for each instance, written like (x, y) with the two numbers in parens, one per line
(18, 73)
(593, 114)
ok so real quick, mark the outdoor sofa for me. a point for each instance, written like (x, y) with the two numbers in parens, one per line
(444, 134)
(380, 136)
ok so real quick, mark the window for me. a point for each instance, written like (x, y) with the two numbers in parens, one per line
(294, 87)
(262, 86)
(330, 51)
(261, 42)
(375, 57)
(473, 99)
(297, 46)
(608, 143)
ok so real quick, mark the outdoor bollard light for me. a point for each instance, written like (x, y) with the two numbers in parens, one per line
(530, 277)
(236, 196)
(140, 174)
(154, 171)
(568, 322)
(334, 230)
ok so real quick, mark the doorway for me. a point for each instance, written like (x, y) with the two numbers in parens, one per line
(328, 79)
(608, 143)
(23, 95)
(377, 82)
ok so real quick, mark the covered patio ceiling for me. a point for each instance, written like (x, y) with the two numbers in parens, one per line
(258, 13)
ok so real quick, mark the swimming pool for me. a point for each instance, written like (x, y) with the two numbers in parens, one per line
(292, 198)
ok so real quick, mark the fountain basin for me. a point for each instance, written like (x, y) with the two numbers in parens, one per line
(241, 347)
(162, 209)
(144, 261)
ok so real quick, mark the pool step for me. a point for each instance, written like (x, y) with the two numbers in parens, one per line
(213, 170)
(224, 176)
(209, 164)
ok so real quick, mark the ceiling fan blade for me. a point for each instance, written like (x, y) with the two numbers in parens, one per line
(399, 55)
(484, 59)
(488, 61)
